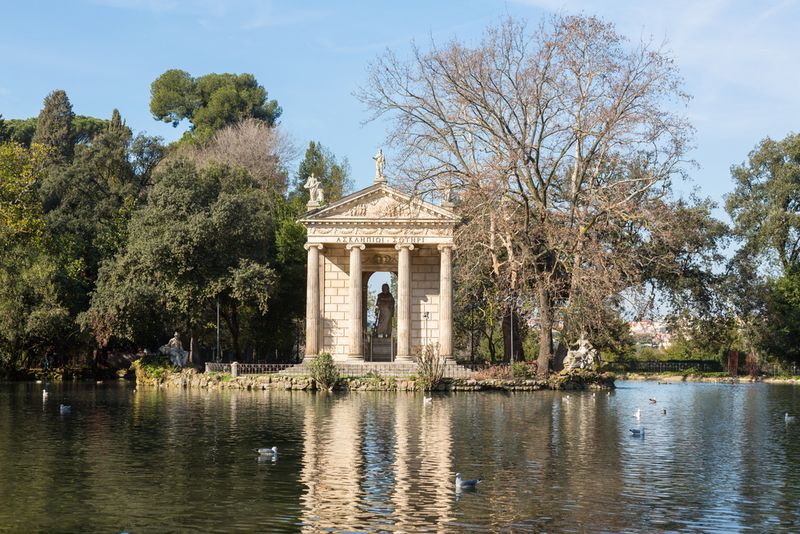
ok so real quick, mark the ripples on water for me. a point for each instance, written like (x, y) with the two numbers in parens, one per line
(721, 460)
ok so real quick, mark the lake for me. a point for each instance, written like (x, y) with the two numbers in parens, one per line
(722, 459)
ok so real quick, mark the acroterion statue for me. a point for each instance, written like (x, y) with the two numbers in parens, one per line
(315, 194)
(379, 161)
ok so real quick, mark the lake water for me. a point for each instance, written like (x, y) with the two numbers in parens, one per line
(722, 459)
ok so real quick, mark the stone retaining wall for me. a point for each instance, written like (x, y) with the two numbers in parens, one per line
(190, 378)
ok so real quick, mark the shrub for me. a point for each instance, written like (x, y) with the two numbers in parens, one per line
(522, 371)
(430, 366)
(324, 371)
(494, 372)
(154, 365)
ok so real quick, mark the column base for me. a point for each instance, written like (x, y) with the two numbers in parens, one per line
(404, 359)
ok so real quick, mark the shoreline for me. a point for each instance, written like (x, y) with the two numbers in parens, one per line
(670, 378)
(190, 378)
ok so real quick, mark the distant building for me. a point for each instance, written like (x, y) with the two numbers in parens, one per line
(651, 333)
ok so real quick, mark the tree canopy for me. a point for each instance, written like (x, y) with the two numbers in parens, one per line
(211, 101)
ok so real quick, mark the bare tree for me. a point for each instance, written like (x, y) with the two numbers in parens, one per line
(560, 147)
(262, 150)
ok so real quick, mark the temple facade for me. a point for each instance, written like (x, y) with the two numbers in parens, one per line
(378, 229)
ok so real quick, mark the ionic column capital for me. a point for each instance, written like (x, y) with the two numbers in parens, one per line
(317, 246)
(351, 246)
(444, 246)
(401, 246)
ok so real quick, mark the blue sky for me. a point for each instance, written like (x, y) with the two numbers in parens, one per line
(740, 60)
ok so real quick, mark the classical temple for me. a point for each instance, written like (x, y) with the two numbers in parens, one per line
(377, 229)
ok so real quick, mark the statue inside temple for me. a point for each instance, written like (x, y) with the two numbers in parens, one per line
(385, 308)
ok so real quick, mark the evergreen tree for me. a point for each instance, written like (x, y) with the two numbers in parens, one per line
(210, 102)
(54, 128)
(3, 130)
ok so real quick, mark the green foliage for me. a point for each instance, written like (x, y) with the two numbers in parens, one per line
(33, 323)
(21, 130)
(324, 371)
(4, 132)
(20, 174)
(781, 330)
(430, 366)
(203, 237)
(154, 366)
(54, 127)
(84, 129)
(334, 176)
(210, 102)
(88, 204)
(764, 205)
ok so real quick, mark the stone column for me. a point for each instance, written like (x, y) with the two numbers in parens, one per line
(356, 311)
(404, 302)
(312, 300)
(446, 300)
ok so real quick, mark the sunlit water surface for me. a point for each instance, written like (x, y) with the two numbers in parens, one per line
(721, 459)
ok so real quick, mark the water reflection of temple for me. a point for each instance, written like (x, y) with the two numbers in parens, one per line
(373, 464)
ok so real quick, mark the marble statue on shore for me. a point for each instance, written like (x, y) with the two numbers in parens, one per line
(379, 161)
(583, 357)
(385, 305)
(315, 194)
(174, 349)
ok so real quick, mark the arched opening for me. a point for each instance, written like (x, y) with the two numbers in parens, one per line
(380, 316)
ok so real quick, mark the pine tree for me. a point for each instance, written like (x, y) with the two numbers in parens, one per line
(54, 128)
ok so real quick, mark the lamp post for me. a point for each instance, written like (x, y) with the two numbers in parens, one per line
(511, 300)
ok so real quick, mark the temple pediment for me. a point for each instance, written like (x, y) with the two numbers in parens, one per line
(380, 214)
(381, 202)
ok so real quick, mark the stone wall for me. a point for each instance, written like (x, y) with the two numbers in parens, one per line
(424, 296)
(335, 301)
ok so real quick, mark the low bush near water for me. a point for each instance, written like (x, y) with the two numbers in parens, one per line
(324, 371)
(430, 366)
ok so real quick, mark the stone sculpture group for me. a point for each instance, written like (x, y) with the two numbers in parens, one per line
(174, 349)
(583, 357)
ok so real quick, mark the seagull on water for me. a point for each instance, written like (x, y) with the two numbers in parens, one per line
(788, 418)
(64, 409)
(466, 484)
(652, 400)
(267, 452)
(637, 432)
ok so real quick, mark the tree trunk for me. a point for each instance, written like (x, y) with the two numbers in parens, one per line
(545, 334)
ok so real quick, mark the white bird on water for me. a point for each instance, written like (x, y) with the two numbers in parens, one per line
(465, 484)
(64, 409)
(788, 418)
(267, 452)
(427, 400)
